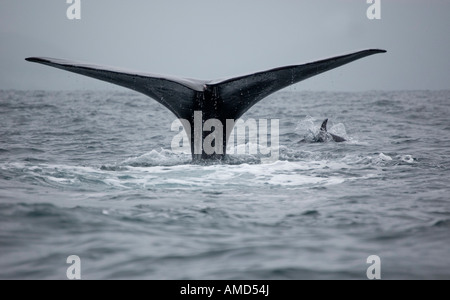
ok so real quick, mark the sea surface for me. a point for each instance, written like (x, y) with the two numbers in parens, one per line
(93, 174)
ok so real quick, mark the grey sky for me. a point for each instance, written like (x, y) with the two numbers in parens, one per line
(211, 39)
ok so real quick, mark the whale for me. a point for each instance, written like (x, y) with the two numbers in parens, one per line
(324, 135)
(222, 100)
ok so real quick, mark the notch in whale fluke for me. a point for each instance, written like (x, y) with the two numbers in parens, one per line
(223, 100)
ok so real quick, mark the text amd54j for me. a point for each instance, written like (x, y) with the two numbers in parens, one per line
(232, 289)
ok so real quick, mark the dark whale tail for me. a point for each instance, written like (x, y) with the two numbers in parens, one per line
(223, 100)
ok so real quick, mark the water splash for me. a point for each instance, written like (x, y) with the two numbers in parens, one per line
(309, 128)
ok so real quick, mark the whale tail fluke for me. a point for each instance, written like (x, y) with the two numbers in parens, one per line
(224, 100)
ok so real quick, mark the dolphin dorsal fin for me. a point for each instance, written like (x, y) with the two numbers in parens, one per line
(324, 126)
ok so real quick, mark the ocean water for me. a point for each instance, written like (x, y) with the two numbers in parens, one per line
(92, 174)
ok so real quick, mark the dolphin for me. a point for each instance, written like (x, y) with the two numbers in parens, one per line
(222, 100)
(324, 135)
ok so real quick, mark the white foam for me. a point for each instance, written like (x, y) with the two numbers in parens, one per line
(156, 158)
(384, 157)
(144, 175)
(407, 158)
